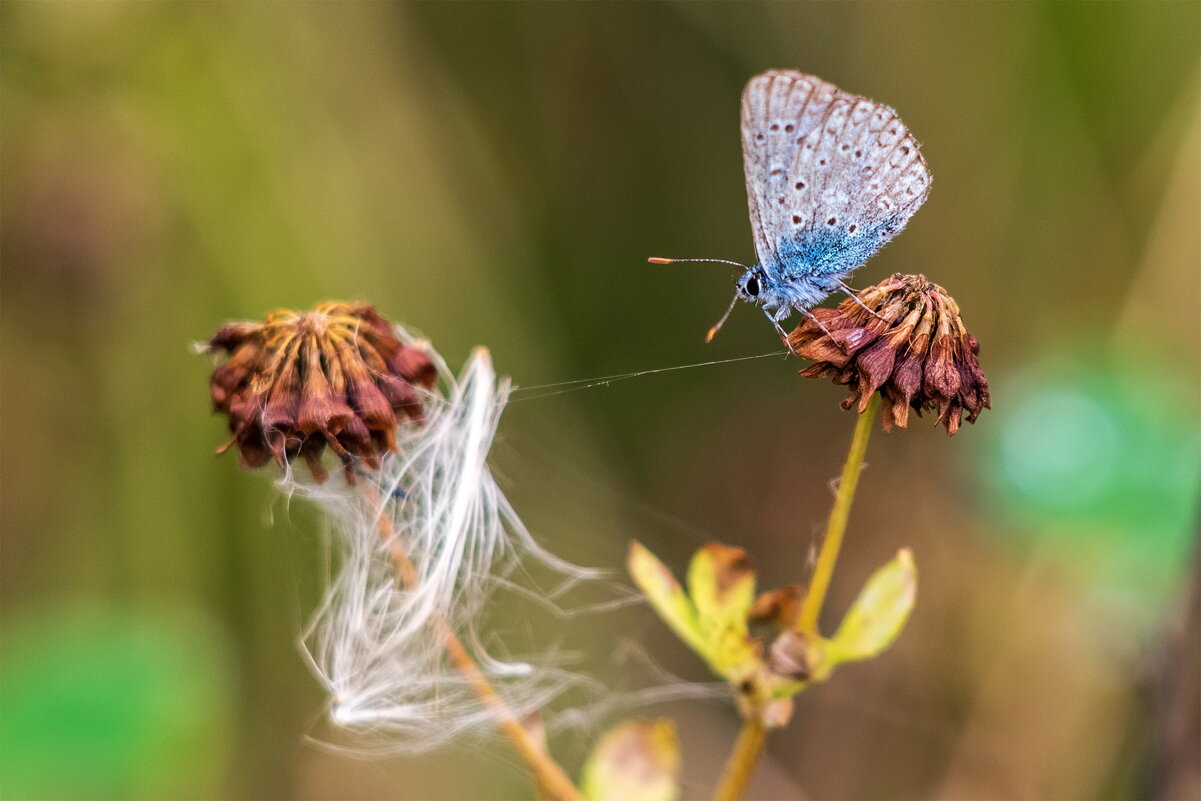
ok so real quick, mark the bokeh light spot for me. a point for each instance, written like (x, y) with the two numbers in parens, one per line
(1098, 461)
(111, 703)
(1059, 448)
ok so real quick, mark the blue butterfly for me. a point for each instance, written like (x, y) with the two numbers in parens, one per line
(830, 178)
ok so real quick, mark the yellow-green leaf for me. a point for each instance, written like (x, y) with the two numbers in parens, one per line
(638, 760)
(667, 597)
(878, 614)
(721, 585)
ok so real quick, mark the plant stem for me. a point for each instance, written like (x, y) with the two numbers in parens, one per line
(742, 760)
(750, 741)
(832, 541)
(552, 780)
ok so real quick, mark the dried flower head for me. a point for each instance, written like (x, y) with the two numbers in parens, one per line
(299, 381)
(911, 346)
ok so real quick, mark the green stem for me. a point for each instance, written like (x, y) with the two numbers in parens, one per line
(741, 765)
(742, 761)
(837, 525)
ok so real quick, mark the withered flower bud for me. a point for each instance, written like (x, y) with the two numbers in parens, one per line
(787, 651)
(299, 381)
(912, 347)
(780, 608)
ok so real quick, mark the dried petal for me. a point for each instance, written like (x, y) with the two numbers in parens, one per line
(906, 378)
(875, 365)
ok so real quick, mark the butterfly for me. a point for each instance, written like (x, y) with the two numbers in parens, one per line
(830, 178)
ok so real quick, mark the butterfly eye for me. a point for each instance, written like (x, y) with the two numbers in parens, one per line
(752, 286)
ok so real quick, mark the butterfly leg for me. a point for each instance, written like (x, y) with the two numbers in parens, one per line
(816, 321)
(775, 318)
(855, 297)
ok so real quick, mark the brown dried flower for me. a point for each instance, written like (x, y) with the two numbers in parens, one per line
(299, 381)
(912, 347)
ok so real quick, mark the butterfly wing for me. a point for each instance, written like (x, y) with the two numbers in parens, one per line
(830, 176)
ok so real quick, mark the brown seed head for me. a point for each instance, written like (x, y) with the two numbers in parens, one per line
(914, 350)
(299, 381)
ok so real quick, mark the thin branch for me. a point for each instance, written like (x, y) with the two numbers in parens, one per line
(741, 765)
(837, 525)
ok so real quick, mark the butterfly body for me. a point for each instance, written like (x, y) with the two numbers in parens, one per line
(830, 178)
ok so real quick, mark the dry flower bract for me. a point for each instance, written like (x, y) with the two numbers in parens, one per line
(914, 350)
(299, 381)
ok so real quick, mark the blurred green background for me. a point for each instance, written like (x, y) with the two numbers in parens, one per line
(497, 174)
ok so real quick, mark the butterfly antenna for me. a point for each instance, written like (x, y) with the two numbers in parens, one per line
(713, 331)
(659, 260)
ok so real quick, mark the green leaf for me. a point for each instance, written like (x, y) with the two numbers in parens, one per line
(667, 597)
(878, 614)
(721, 584)
(712, 617)
(638, 760)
